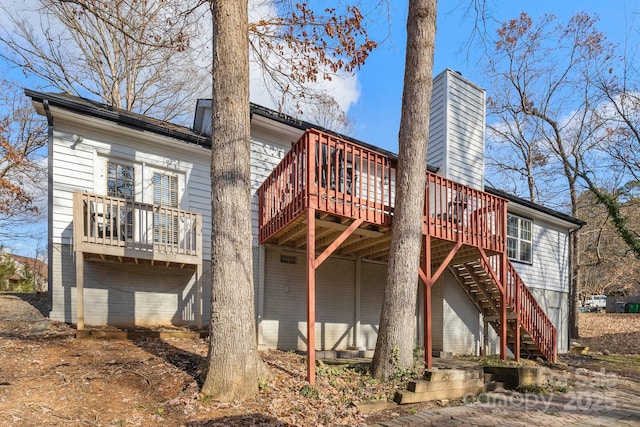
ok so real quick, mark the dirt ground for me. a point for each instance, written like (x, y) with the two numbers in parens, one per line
(47, 377)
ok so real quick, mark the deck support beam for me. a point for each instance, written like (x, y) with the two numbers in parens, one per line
(311, 296)
(312, 264)
(425, 275)
(503, 307)
(79, 290)
(516, 290)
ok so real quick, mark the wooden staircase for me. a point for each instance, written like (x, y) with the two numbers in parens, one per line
(537, 334)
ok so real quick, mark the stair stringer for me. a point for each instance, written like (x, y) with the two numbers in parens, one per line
(537, 333)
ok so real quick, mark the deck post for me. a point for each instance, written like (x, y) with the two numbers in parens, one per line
(356, 308)
(79, 290)
(503, 307)
(516, 291)
(199, 295)
(311, 296)
(428, 335)
(199, 305)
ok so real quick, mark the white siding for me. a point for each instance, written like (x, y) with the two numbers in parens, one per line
(371, 296)
(122, 294)
(461, 320)
(284, 324)
(267, 150)
(457, 323)
(127, 295)
(437, 326)
(456, 139)
(437, 149)
(550, 265)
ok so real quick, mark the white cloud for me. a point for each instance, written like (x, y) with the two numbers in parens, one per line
(344, 87)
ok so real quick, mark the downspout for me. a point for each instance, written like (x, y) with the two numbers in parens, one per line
(45, 104)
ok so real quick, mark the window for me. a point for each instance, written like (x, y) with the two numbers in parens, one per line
(519, 239)
(165, 194)
(165, 190)
(120, 181)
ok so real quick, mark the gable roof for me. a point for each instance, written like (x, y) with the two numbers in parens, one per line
(145, 123)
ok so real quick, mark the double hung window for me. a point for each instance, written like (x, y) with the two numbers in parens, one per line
(519, 239)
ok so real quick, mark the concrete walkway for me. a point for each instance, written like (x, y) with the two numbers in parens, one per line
(593, 399)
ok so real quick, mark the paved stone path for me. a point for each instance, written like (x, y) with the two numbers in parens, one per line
(594, 400)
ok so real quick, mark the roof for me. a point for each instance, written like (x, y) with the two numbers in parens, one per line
(118, 115)
(535, 206)
(145, 123)
(201, 123)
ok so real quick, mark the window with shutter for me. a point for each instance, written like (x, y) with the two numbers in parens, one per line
(165, 194)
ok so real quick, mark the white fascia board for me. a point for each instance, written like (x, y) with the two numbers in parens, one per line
(113, 128)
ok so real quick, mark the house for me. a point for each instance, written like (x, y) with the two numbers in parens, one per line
(26, 273)
(129, 214)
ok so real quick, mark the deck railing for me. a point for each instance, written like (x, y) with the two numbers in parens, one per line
(141, 227)
(457, 212)
(339, 177)
(531, 315)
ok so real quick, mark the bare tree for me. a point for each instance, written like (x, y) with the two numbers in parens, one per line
(603, 253)
(297, 46)
(326, 112)
(138, 55)
(394, 347)
(618, 85)
(542, 101)
(22, 172)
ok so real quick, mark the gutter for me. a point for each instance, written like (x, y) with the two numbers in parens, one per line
(118, 116)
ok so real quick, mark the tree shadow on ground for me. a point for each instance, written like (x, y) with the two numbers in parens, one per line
(191, 363)
(240, 420)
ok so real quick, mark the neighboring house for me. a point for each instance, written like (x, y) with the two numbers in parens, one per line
(28, 273)
(129, 218)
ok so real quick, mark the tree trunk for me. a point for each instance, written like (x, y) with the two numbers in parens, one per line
(396, 337)
(574, 286)
(233, 361)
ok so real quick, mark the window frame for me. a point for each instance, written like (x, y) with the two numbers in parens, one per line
(166, 230)
(520, 240)
(131, 197)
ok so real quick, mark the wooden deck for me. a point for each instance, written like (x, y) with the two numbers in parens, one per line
(111, 229)
(344, 182)
(114, 229)
(331, 196)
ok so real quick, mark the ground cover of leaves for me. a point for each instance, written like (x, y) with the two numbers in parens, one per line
(51, 378)
(48, 377)
(613, 332)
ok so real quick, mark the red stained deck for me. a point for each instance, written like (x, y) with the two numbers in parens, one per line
(332, 196)
(344, 182)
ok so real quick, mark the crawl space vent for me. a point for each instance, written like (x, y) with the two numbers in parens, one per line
(288, 259)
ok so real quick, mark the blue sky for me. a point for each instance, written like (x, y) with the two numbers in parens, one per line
(377, 111)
